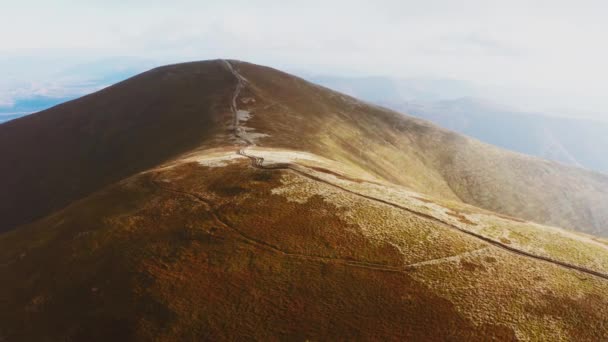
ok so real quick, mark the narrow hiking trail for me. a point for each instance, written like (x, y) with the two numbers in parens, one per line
(238, 132)
(258, 162)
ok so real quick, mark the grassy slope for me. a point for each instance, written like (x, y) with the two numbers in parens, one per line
(557, 244)
(273, 255)
(417, 154)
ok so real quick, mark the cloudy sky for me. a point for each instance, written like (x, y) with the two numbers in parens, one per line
(548, 55)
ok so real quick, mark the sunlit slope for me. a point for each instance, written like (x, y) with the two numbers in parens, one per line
(415, 153)
(210, 247)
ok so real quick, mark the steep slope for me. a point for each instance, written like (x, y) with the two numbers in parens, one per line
(9, 116)
(573, 141)
(59, 155)
(421, 156)
(461, 107)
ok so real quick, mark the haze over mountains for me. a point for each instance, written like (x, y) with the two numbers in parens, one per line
(37, 83)
(452, 104)
(27, 106)
(225, 200)
(574, 141)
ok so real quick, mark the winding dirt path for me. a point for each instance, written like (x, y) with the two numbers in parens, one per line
(238, 133)
(258, 162)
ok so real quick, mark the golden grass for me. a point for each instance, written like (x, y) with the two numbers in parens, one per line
(410, 152)
(188, 252)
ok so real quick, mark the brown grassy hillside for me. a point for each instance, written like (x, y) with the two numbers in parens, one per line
(219, 250)
(56, 156)
(237, 202)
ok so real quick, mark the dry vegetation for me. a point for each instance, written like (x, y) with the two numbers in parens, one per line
(414, 153)
(187, 252)
(357, 230)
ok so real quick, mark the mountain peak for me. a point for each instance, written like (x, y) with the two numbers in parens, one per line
(223, 200)
(161, 114)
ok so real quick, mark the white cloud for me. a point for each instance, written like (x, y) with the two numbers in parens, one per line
(6, 101)
(548, 54)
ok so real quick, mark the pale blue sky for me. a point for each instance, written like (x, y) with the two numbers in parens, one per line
(540, 54)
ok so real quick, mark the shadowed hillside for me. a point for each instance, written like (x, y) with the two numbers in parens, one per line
(56, 156)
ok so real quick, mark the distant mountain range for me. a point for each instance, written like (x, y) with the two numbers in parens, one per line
(26, 106)
(580, 142)
(574, 141)
(68, 83)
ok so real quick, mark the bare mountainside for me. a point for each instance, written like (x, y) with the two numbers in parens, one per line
(245, 203)
(62, 154)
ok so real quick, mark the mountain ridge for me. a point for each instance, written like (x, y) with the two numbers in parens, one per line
(440, 162)
(276, 223)
(573, 140)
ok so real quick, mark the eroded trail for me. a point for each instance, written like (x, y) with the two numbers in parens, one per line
(240, 84)
(258, 162)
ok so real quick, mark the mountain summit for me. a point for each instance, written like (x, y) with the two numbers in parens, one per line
(72, 150)
(226, 200)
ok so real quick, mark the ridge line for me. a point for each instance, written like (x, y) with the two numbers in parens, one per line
(258, 162)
